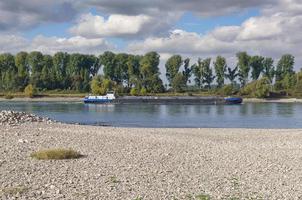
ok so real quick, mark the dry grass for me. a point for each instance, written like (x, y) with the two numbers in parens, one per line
(56, 154)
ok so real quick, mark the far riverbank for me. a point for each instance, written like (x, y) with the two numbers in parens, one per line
(79, 99)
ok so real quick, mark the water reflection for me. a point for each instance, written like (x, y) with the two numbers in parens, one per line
(248, 115)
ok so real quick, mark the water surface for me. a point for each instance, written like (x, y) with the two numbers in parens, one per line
(248, 115)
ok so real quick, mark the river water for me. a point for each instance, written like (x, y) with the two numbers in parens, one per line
(247, 115)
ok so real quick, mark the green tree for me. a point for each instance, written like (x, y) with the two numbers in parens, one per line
(207, 72)
(268, 69)
(187, 70)
(256, 63)
(232, 75)
(244, 67)
(262, 88)
(149, 72)
(173, 65)
(60, 63)
(35, 62)
(179, 82)
(285, 66)
(109, 63)
(220, 70)
(8, 72)
(23, 69)
(133, 64)
(46, 78)
(197, 73)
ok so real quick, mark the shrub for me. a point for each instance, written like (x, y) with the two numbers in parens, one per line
(258, 89)
(56, 154)
(29, 91)
(143, 91)
(262, 88)
(226, 90)
(134, 92)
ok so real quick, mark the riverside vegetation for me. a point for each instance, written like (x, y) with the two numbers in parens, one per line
(75, 74)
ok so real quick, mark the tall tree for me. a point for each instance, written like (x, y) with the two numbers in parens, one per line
(285, 67)
(35, 62)
(150, 73)
(60, 63)
(121, 69)
(8, 72)
(220, 69)
(256, 63)
(207, 72)
(268, 69)
(197, 73)
(244, 67)
(232, 75)
(172, 67)
(187, 70)
(23, 69)
(46, 78)
(134, 71)
(109, 63)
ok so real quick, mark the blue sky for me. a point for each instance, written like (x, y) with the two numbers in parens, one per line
(191, 28)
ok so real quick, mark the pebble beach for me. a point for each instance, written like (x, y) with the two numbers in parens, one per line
(149, 163)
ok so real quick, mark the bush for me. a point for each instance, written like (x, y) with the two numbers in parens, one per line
(134, 92)
(29, 91)
(262, 88)
(226, 90)
(143, 92)
(56, 154)
(258, 89)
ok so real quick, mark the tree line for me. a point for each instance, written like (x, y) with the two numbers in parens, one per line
(140, 74)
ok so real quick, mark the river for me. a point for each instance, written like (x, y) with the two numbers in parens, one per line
(247, 115)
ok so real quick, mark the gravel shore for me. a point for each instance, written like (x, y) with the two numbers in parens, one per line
(133, 163)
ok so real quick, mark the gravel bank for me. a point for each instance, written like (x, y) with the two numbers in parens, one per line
(130, 163)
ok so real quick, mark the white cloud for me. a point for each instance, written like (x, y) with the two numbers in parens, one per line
(51, 45)
(271, 34)
(116, 25)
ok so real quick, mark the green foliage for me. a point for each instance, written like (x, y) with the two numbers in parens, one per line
(268, 69)
(227, 90)
(285, 66)
(143, 91)
(257, 65)
(232, 75)
(244, 67)
(56, 154)
(263, 88)
(179, 82)
(172, 67)
(30, 91)
(203, 73)
(258, 89)
(100, 85)
(149, 73)
(134, 92)
(187, 70)
(220, 69)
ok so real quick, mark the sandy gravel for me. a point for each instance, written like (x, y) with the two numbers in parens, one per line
(124, 163)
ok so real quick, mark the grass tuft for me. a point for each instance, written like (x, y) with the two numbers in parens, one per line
(56, 154)
(11, 191)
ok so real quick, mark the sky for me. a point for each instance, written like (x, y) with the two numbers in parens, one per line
(191, 28)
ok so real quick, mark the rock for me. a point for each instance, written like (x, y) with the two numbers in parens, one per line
(12, 118)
